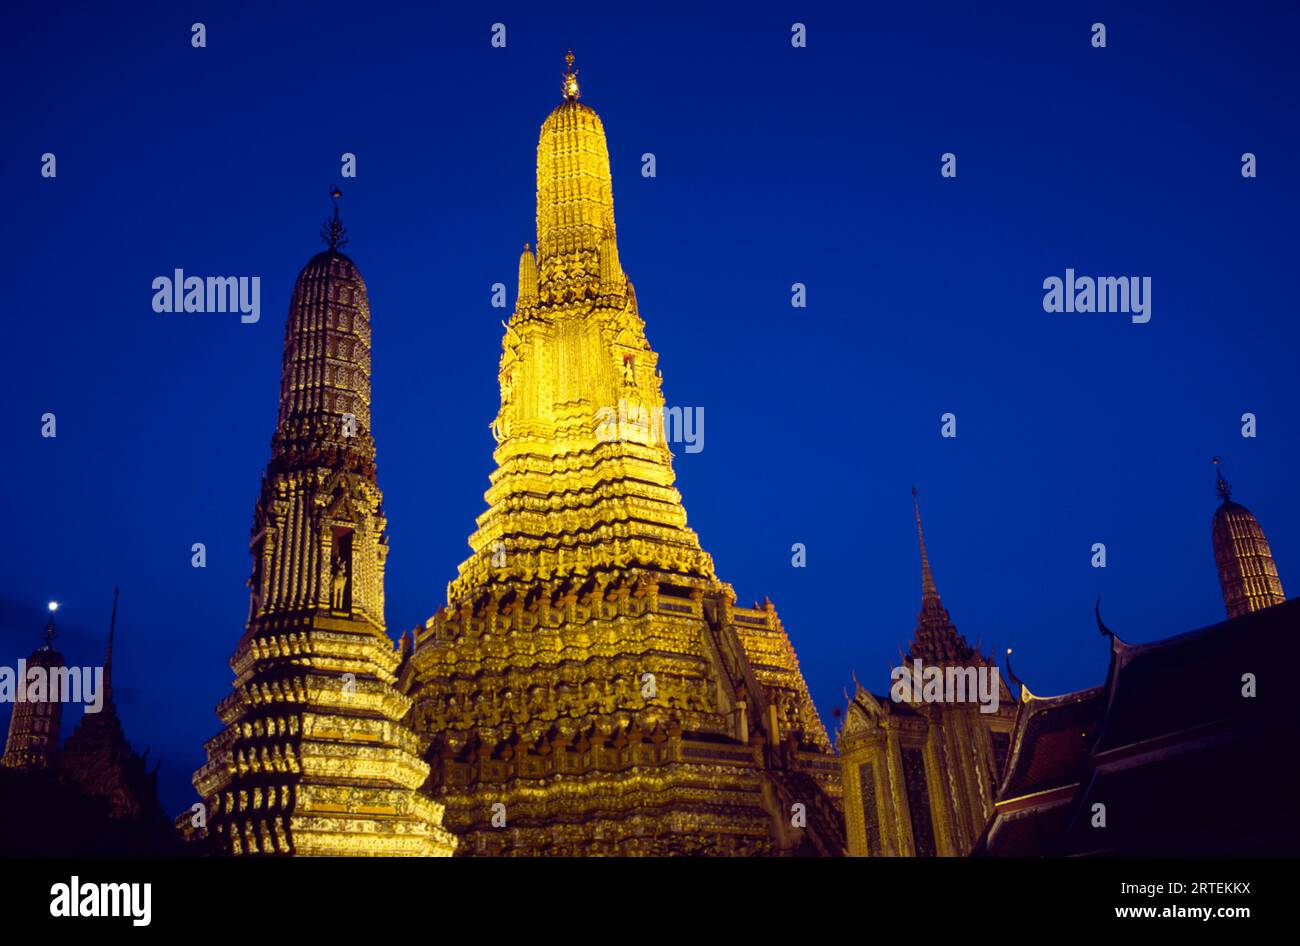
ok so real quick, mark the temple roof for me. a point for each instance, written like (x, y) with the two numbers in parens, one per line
(1050, 743)
(1185, 735)
(1185, 682)
(1167, 745)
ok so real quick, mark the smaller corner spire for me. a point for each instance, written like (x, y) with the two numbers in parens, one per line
(1222, 488)
(570, 85)
(332, 233)
(928, 587)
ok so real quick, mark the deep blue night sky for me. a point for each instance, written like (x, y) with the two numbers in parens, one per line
(775, 165)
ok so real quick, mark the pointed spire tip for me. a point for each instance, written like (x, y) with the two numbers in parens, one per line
(332, 233)
(928, 587)
(570, 85)
(1222, 488)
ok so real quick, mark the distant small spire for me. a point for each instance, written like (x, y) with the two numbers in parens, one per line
(1247, 572)
(570, 78)
(332, 233)
(108, 652)
(928, 588)
(1221, 487)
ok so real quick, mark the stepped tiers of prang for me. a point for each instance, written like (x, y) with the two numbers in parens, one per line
(590, 672)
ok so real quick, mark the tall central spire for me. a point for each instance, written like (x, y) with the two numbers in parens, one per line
(575, 200)
(589, 671)
(584, 479)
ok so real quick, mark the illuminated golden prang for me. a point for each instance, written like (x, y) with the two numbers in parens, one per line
(591, 686)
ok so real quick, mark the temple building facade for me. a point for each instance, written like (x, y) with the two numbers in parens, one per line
(591, 685)
(920, 776)
(313, 757)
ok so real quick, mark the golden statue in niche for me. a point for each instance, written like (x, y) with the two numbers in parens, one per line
(339, 582)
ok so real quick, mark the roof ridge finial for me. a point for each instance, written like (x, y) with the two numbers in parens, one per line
(570, 85)
(1025, 695)
(928, 587)
(1116, 642)
(1221, 487)
(332, 232)
(1101, 625)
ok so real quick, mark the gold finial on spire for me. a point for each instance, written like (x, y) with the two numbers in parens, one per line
(333, 234)
(1221, 487)
(570, 78)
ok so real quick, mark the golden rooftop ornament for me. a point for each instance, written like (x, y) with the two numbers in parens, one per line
(570, 78)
